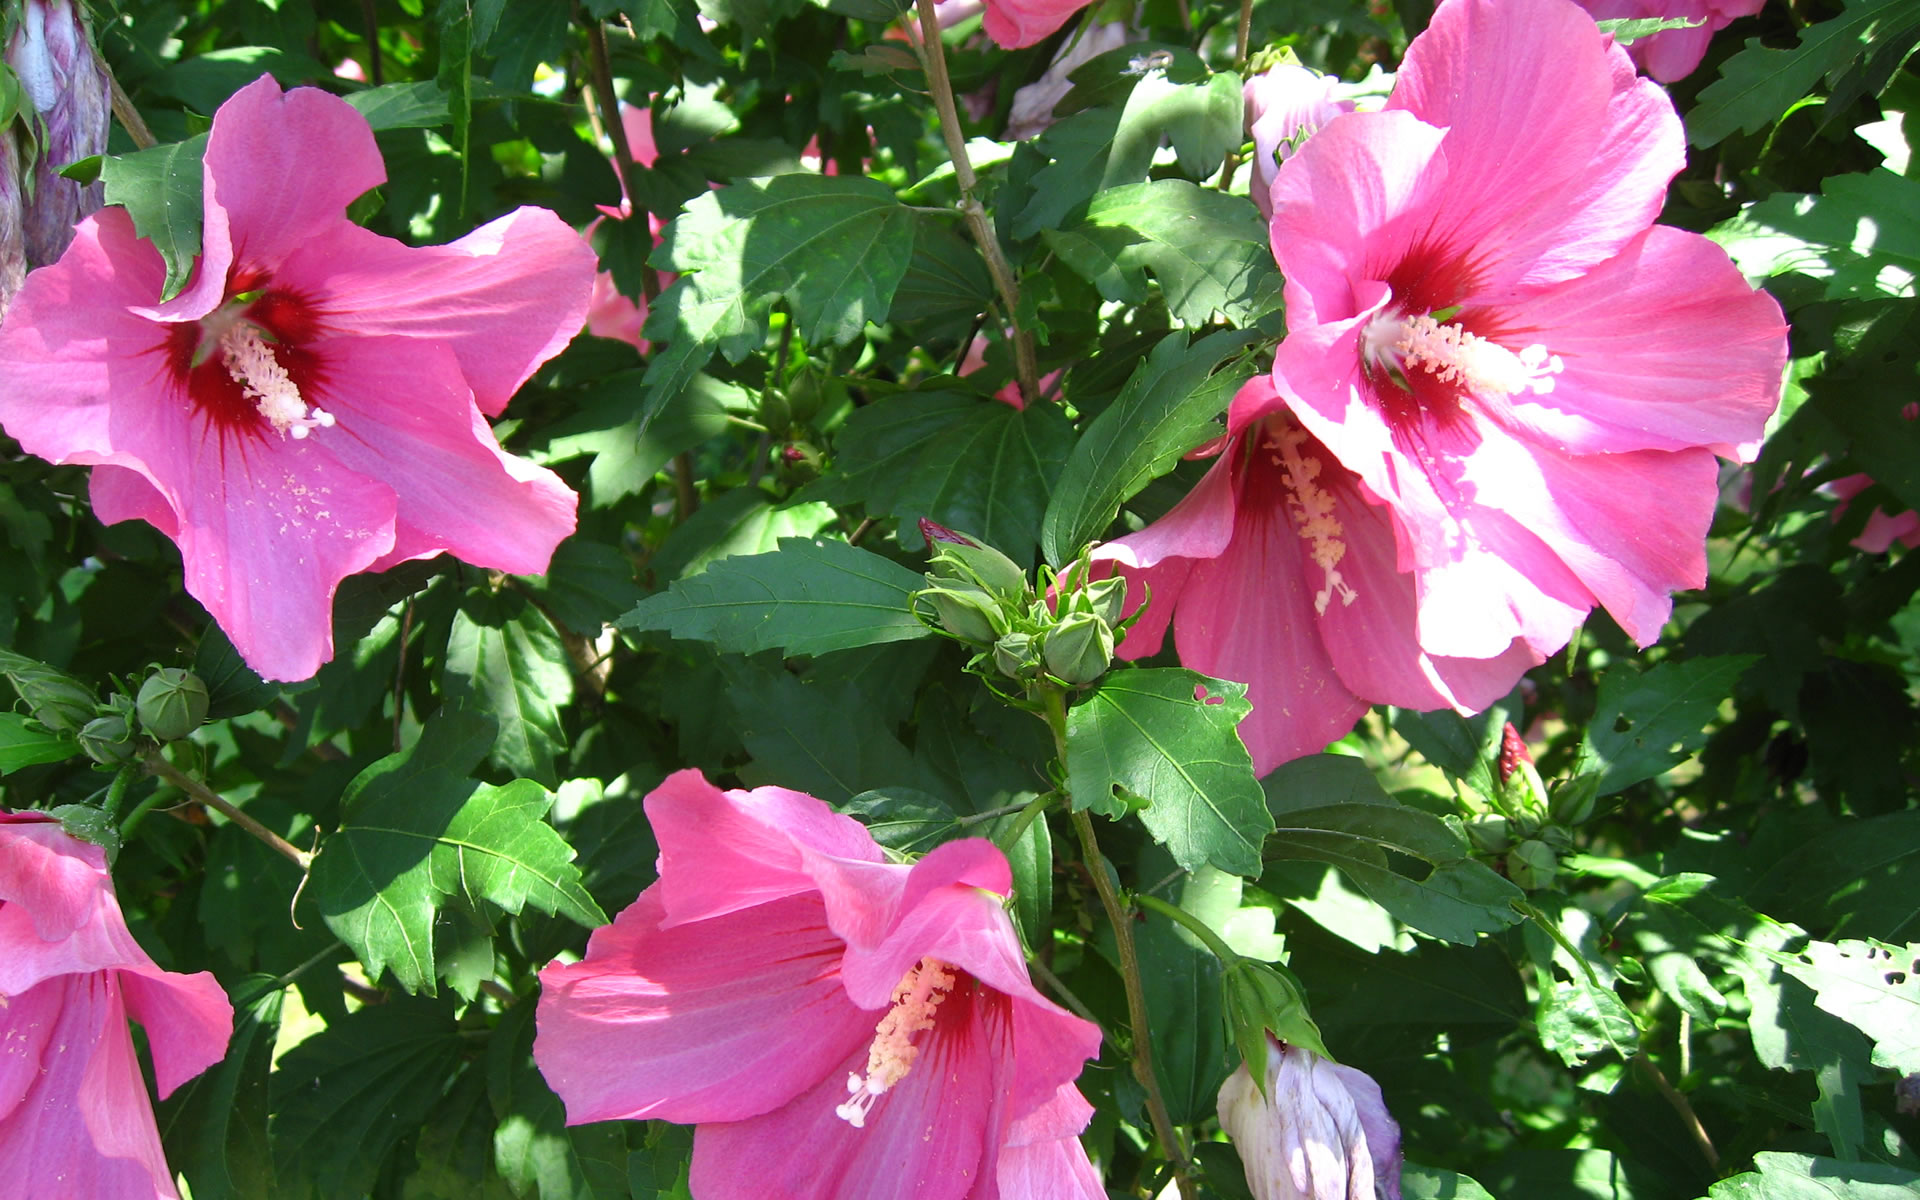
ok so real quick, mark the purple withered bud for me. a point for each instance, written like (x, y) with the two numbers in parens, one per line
(13, 238)
(1321, 1131)
(66, 82)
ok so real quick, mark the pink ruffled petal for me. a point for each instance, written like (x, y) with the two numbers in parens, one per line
(188, 1020)
(1556, 153)
(49, 879)
(717, 1020)
(264, 198)
(505, 298)
(935, 1135)
(1158, 559)
(1665, 346)
(455, 489)
(724, 851)
(75, 1120)
(1043, 1158)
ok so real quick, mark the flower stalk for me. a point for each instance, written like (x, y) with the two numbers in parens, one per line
(205, 796)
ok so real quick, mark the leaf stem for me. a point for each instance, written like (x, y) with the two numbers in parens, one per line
(207, 797)
(623, 162)
(933, 57)
(1193, 924)
(1010, 837)
(1120, 917)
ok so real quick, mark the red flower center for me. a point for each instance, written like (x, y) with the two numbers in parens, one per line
(247, 368)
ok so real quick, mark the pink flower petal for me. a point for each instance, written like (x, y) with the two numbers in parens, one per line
(1632, 332)
(1043, 1158)
(717, 1020)
(505, 298)
(52, 879)
(1017, 23)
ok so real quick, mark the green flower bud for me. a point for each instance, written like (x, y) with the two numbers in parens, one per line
(57, 700)
(107, 740)
(172, 703)
(966, 612)
(1262, 998)
(1016, 655)
(1079, 649)
(1573, 803)
(1107, 598)
(957, 556)
(1532, 865)
(1490, 834)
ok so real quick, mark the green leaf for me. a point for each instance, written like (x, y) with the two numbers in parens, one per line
(345, 1097)
(421, 105)
(1181, 985)
(964, 461)
(1329, 808)
(1873, 987)
(1645, 723)
(742, 521)
(1170, 404)
(1150, 734)
(1203, 119)
(607, 424)
(534, 1149)
(587, 584)
(904, 819)
(1208, 250)
(160, 189)
(826, 736)
(24, 744)
(808, 597)
(203, 81)
(418, 834)
(1626, 31)
(1759, 84)
(1433, 1183)
(1804, 1177)
(834, 247)
(1463, 747)
(1861, 235)
(215, 1127)
(505, 660)
(454, 73)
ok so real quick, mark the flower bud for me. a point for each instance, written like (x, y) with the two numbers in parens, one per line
(1521, 789)
(1490, 834)
(67, 84)
(957, 556)
(1016, 655)
(1318, 1131)
(107, 740)
(966, 612)
(1107, 599)
(172, 703)
(1574, 802)
(56, 699)
(1079, 649)
(1533, 865)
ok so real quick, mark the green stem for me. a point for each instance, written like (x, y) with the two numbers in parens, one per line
(117, 790)
(1010, 837)
(1193, 924)
(933, 57)
(275, 985)
(204, 795)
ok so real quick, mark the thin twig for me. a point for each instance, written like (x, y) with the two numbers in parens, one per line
(130, 118)
(1681, 1106)
(206, 796)
(1061, 990)
(616, 130)
(933, 57)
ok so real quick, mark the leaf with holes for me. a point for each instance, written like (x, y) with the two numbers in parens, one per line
(418, 834)
(1645, 723)
(1167, 735)
(1872, 986)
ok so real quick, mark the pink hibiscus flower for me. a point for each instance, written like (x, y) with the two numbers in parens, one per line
(312, 405)
(1673, 53)
(75, 1120)
(835, 1024)
(1499, 401)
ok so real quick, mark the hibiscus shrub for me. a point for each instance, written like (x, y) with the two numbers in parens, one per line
(953, 600)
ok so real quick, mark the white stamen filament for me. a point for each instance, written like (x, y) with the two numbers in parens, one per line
(1311, 508)
(892, 1052)
(1453, 355)
(251, 362)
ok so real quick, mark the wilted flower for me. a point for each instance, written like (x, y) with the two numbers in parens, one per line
(1033, 105)
(836, 1025)
(1493, 359)
(312, 405)
(13, 234)
(1673, 53)
(67, 84)
(1320, 1131)
(75, 1118)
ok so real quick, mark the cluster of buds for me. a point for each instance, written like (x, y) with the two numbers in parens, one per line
(172, 703)
(56, 104)
(1533, 826)
(1064, 632)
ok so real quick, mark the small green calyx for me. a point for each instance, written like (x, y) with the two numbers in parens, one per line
(108, 740)
(1261, 999)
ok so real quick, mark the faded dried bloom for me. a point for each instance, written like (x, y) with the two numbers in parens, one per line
(68, 85)
(1321, 1131)
(13, 242)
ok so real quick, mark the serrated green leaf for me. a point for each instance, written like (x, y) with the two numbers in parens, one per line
(1873, 987)
(1434, 1183)
(1207, 250)
(203, 81)
(1203, 117)
(744, 521)
(834, 247)
(808, 597)
(1626, 31)
(1804, 1177)
(1169, 405)
(418, 834)
(345, 1097)
(1150, 734)
(1759, 83)
(420, 105)
(24, 744)
(1645, 723)
(587, 584)
(161, 190)
(505, 660)
(904, 819)
(964, 461)
(1861, 235)
(1463, 747)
